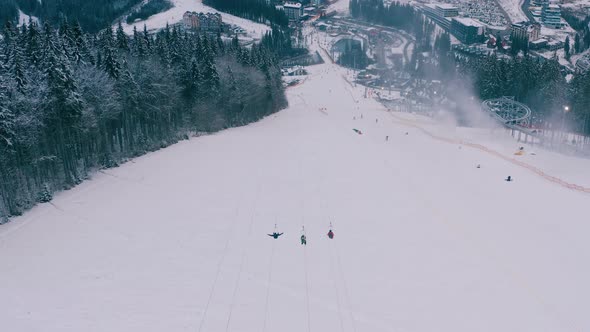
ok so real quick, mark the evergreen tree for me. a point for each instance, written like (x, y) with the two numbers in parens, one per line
(6, 116)
(33, 44)
(122, 39)
(210, 76)
(566, 48)
(111, 63)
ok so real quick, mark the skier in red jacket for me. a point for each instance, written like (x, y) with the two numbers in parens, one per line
(331, 234)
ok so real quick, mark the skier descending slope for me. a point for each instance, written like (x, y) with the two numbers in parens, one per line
(275, 234)
(303, 237)
(331, 234)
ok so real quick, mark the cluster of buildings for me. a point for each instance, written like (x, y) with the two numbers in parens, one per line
(295, 11)
(532, 31)
(467, 30)
(547, 12)
(526, 29)
(485, 11)
(470, 30)
(202, 21)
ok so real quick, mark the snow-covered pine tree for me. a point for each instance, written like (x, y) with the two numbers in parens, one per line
(33, 43)
(122, 41)
(6, 115)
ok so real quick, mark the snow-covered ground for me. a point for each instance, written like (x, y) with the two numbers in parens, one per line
(24, 18)
(576, 4)
(340, 6)
(425, 241)
(174, 15)
(514, 10)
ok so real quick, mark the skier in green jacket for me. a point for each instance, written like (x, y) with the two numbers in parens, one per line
(303, 239)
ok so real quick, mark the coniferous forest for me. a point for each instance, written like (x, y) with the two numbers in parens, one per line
(92, 15)
(148, 9)
(72, 102)
(396, 15)
(255, 10)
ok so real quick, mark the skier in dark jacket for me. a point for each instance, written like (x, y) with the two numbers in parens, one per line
(303, 240)
(275, 235)
(509, 178)
(331, 234)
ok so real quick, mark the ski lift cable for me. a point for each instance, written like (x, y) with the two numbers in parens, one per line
(346, 293)
(268, 286)
(225, 250)
(335, 281)
(243, 258)
(333, 272)
(269, 280)
(334, 252)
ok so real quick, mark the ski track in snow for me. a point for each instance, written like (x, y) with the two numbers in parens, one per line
(424, 241)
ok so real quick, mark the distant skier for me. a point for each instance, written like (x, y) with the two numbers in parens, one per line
(331, 234)
(478, 166)
(386, 138)
(509, 178)
(303, 240)
(275, 235)
(376, 120)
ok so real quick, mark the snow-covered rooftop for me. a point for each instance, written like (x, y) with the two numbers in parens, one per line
(445, 6)
(468, 21)
(295, 5)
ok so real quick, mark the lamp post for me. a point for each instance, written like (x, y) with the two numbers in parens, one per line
(565, 110)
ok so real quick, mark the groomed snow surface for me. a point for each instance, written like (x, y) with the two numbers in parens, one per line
(424, 241)
(174, 15)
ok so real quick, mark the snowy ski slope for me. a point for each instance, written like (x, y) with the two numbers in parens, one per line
(174, 15)
(424, 241)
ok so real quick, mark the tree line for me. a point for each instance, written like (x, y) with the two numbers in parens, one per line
(72, 102)
(92, 15)
(396, 15)
(582, 37)
(537, 82)
(254, 10)
(148, 9)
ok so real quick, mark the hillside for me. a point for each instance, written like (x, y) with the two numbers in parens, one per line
(424, 240)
